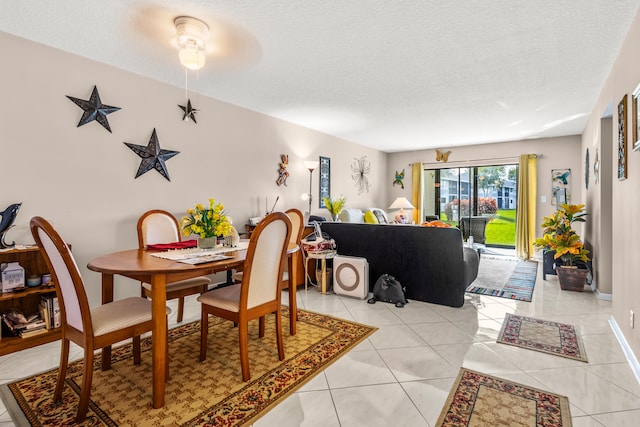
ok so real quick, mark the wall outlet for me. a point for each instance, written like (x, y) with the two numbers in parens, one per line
(631, 318)
(543, 199)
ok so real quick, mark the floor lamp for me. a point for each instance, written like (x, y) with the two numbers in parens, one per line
(311, 165)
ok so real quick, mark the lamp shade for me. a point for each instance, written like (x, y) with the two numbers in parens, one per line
(311, 164)
(401, 203)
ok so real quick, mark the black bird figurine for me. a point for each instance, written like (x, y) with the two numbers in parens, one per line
(8, 216)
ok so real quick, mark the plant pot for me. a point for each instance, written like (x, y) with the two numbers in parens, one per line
(572, 278)
(207, 242)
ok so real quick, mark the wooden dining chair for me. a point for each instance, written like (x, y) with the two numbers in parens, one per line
(259, 292)
(90, 328)
(297, 227)
(158, 226)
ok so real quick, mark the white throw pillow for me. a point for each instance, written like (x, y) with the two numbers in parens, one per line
(351, 215)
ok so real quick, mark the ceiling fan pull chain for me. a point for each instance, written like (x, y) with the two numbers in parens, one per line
(186, 84)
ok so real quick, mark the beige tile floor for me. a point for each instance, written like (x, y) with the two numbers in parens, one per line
(402, 374)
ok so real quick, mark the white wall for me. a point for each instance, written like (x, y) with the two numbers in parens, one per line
(82, 178)
(624, 201)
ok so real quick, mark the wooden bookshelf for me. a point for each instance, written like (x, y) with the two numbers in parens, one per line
(28, 300)
(13, 344)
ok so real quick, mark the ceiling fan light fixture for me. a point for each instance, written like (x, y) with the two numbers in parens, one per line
(192, 33)
(191, 57)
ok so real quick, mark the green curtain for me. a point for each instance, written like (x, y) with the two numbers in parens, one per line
(526, 214)
(417, 183)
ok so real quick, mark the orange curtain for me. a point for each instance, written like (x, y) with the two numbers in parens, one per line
(417, 183)
(526, 213)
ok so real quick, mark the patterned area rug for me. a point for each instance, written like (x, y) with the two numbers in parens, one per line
(482, 400)
(559, 339)
(506, 278)
(208, 393)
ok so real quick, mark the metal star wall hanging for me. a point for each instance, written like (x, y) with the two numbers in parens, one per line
(152, 156)
(189, 112)
(94, 109)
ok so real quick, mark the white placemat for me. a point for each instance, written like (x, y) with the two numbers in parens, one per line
(191, 253)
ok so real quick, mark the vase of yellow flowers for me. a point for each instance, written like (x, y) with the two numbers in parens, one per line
(208, 224)
(334, 206)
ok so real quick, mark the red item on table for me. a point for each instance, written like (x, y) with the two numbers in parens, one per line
(175, 245)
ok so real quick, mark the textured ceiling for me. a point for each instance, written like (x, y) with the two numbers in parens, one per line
(394, 75)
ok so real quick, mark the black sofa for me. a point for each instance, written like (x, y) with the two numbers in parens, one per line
(430, 262)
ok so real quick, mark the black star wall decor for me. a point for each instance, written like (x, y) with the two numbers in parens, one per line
(94, 109)
(188, 112)
(152, 156)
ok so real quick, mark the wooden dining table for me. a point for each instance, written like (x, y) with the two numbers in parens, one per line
(141, 265)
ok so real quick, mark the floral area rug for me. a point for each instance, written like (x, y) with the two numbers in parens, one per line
(197, 394)
(555, 338)
(506, 278)
(478, 399)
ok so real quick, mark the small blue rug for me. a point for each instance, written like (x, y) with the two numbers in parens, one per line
(519, 286)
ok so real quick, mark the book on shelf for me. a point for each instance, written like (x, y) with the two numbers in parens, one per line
(8, 328)
(15, 324)
(50, 311)
(32, 332)
(34, 324)
(56, 313)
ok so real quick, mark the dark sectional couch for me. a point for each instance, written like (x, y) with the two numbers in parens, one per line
(431, 263)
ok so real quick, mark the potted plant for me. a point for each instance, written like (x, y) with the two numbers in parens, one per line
(549, 225)
(560, 237)
(208, 223)
(334, 206)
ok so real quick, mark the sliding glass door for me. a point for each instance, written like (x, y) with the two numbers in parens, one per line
(456, 194)
(473, 198)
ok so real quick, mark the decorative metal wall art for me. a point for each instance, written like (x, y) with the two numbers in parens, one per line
(560, 186)
(586, 170)
(596, 168)
(442, 156)
(636, 122)
(399, 179)
(622, 138)
(8, 217)
(94, 109)
(188, 112)
(325, 180)
(283, 174)
(360, 168)
(152, 156)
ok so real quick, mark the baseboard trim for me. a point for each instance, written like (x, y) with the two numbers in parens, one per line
(596, 291)
(631, 358)
(601, 295)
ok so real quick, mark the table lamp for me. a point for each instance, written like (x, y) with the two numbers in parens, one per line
(401, 203)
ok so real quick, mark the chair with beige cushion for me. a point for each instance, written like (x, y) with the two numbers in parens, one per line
(297, 227)
(90, 328)
(297, 223)
(158, 226)
(259, 292)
